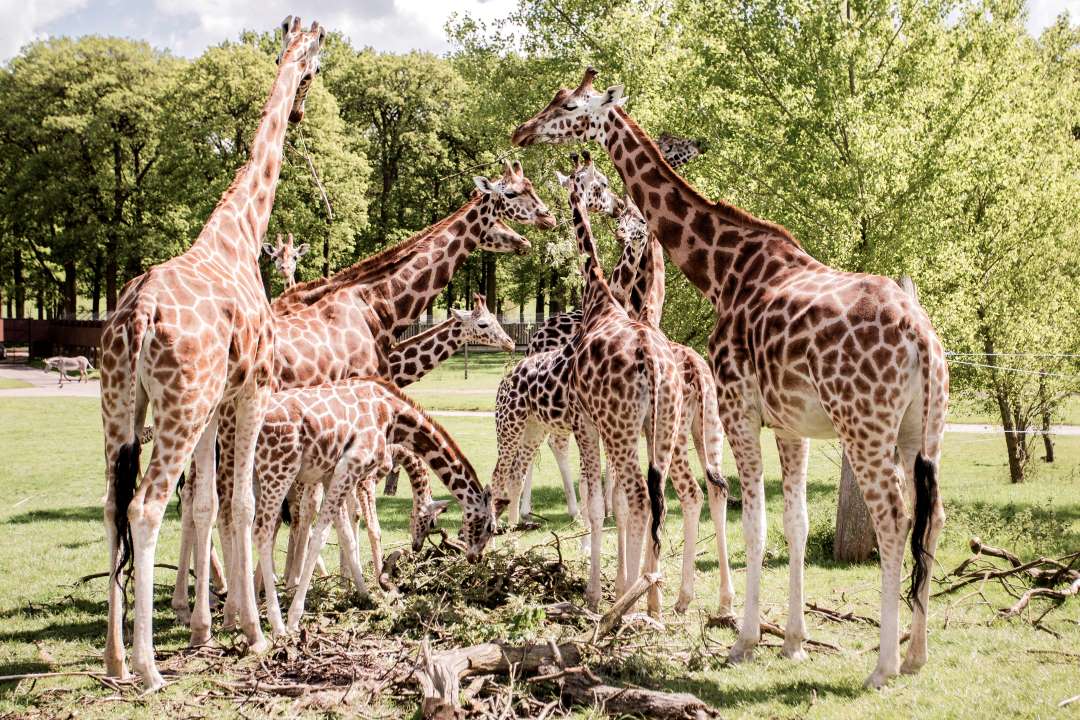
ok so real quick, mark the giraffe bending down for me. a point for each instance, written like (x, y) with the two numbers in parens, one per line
(410, 360)
(343, 326)
(340, 435)
(807, 349)
(190, 337)
(286, 255)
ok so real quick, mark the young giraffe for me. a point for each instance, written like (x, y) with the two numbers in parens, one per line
(410, 360)
(641, 293)
(333, 338)
(339, 435)
(557, 330)
(807, 349)
(286, 255)
(190, 337)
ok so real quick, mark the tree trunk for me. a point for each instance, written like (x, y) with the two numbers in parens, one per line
(1012, 446)
(449, 297)
(539, 312)
(1047, 438)
(40, 304)
(491, 284)
(555, 301)
(326, 253)
(855, 539)
(95, 287)
(431, 312)
(20, 286)
(70, 289)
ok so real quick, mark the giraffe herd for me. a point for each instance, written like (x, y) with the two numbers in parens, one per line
(299, 401)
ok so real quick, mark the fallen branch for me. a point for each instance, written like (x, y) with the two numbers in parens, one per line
(767, 628)
(586, 688)
(1058, 595)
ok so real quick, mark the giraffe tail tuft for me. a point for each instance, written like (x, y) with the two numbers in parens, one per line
(715, 478)
(926, 499)
(655, 484)
(125, 479)
(286, 514)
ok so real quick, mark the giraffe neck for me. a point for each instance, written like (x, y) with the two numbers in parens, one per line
(240, 219)
(413, 358)
(430, 442)
(597, 296)
(399, 297)
(701, 237)
(648, 290)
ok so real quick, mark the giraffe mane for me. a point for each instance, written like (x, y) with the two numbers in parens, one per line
(725, 208)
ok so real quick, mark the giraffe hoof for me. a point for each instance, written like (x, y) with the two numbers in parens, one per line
(683, 604)
(912, 666)
(259, 647)
(183, 616)
(740, 652)
(878, 679)
(151, 681)
(794, 653)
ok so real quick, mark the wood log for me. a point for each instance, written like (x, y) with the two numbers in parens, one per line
(584, 687)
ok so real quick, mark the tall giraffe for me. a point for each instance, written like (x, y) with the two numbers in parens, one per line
(190, 337)
(330, 329)
(340, 434)
(805, 348)
(286, 254)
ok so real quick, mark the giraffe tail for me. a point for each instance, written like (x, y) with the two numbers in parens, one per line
(927, 498)
(654, 480)
(708, 431)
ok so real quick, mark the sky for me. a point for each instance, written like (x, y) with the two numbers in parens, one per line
(186, 28)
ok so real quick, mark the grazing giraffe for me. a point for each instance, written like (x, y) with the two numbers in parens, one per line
(340, 435)
(806, 349)
(412, 359)
(286, 255)
(331, 329)
(190, 337)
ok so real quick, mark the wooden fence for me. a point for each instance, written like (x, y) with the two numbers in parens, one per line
(45, 338)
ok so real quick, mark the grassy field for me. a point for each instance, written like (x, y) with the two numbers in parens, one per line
(10, 384)
(50, 519)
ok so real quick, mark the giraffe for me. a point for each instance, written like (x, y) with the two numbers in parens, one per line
(804, 348)
(331, 329)
(341, 434)
(642, 295)
(190, 337)
(286, 255)
(558, 329)
(615, 376)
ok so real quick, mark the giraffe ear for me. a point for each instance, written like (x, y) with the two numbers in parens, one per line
(483, 184)
(614, 96)
(302, 250)
(564, 180)
(268, 249)
(458, 314)
(434, 507)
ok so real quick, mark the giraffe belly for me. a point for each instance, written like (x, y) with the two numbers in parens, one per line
(805, 418)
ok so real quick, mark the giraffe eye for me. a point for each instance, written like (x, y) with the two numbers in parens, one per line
(510, 195)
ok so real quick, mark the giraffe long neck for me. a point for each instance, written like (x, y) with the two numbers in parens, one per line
(414, 468)
(649, 288)
(403, 295)
(240, 219)
(429, 441)
(413, 358)
(597, 296)
(705, 239)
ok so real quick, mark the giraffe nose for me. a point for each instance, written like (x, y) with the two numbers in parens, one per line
(521, 135)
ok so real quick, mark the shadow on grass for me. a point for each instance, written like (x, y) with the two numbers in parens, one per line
(71, 514)
(793, 694)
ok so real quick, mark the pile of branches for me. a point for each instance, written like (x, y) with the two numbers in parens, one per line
(1047, 579)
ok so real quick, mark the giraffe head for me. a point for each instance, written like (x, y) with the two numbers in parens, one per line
(679, 150)
(301, 48)
(630, 228)
(480, 326)
(422, 521)
(572, 115)
(285, 255)
(513, 197)
(592, 185)
(501, 238)
(478, 525)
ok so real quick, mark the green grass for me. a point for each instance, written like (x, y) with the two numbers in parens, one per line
(10, 384)
(447, 388)
(50, 520)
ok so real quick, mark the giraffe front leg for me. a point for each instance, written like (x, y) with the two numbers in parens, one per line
(718, 510)
(250, 410)
(793, 458)
(328, 513)
(204, 509)
(592, 496)
(559, 442)
(350, 553)
(746, 447)
(689, 493)
(179, 601)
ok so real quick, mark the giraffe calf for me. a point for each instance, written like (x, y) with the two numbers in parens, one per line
(341, 435)
(79, 364)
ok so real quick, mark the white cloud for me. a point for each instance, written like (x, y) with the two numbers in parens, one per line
(1042, 13)
(23, 21)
